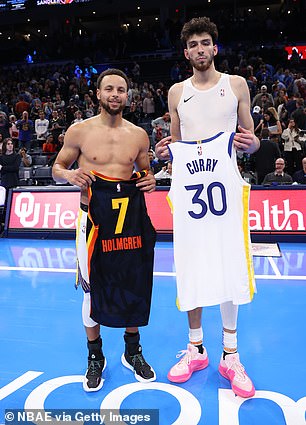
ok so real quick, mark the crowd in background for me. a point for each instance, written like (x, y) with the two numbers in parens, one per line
(39, 103)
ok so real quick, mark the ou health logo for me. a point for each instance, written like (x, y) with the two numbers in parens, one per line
(26, 207)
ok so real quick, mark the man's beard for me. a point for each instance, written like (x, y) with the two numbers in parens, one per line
(202, 66)
(111, 111)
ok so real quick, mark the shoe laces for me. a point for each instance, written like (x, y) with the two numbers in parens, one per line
(235, 365)
(94, 368)
(184, 360)
(139, 362)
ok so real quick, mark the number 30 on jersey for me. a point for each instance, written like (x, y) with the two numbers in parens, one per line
(216, 199)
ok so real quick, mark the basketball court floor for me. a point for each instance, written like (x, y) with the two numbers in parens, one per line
(43, 348)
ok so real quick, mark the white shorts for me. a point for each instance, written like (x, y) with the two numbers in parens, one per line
(82, 277)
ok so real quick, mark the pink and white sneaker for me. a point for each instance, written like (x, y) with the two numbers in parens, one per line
(233, 370)
(192, 361)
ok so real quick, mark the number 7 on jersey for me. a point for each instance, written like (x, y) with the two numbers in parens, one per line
(121, 204)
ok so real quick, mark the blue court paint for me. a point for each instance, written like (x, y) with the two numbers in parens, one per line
(43, 347)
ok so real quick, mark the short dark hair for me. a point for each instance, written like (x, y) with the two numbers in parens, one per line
(112, 71)
(198, 26)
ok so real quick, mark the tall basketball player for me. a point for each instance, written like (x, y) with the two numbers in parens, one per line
(115, 238)
(209, 200)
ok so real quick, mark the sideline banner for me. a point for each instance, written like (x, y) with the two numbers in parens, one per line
(53, 209)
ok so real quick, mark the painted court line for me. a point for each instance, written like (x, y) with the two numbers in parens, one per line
(160, 274)
(274, 266)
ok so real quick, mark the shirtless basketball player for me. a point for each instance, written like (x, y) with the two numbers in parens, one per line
(113, 147)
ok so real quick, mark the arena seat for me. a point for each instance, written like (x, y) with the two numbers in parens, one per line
(25, 176)
(42, 175)
(39, 160)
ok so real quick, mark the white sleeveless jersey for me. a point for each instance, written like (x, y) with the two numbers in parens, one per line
(209, 200)
(204, 113)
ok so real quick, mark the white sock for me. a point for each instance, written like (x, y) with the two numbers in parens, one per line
(229, 314)
(196, 336)
(229, 340)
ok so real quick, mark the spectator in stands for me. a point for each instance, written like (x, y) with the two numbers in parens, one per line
(165, 172)
(130, 97)
(41, 128)
(293, 142)
(277, 140)
(279, 74)
(148, 105)
(278, 176)
(257, 119)
(14, 132)
(291, 104)
(58, 148)
(161, 127)
(59, 103)
(4, 125)
(60, 142)
(259, 99)
(248, 176)
(283, 115)
(26, 159)
(3, 107)
(9, 164)
(264, 75)
(78, 117)
(36, 101)
(48, 108)
(299, 115)
(265, 102)
(271, 121)
(144, 89)
(134, 89)
(266, 155)
(35, 109)
(49, 146)
(300, 176)
(250, 79)
(21, 106)
(276, 87)
(288, 81)
(70, 111)
(25, 92)
(161, 103)
(281, 98)
(89, 106)
(164, 90)
(155, 165)
(56, 126)
(175, 73)
(138, 101)
(299, 87)
(25, 127)
(1, 143)
(132, 114)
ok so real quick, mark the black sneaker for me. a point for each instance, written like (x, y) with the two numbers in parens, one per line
(93, 378)
(142, 370)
